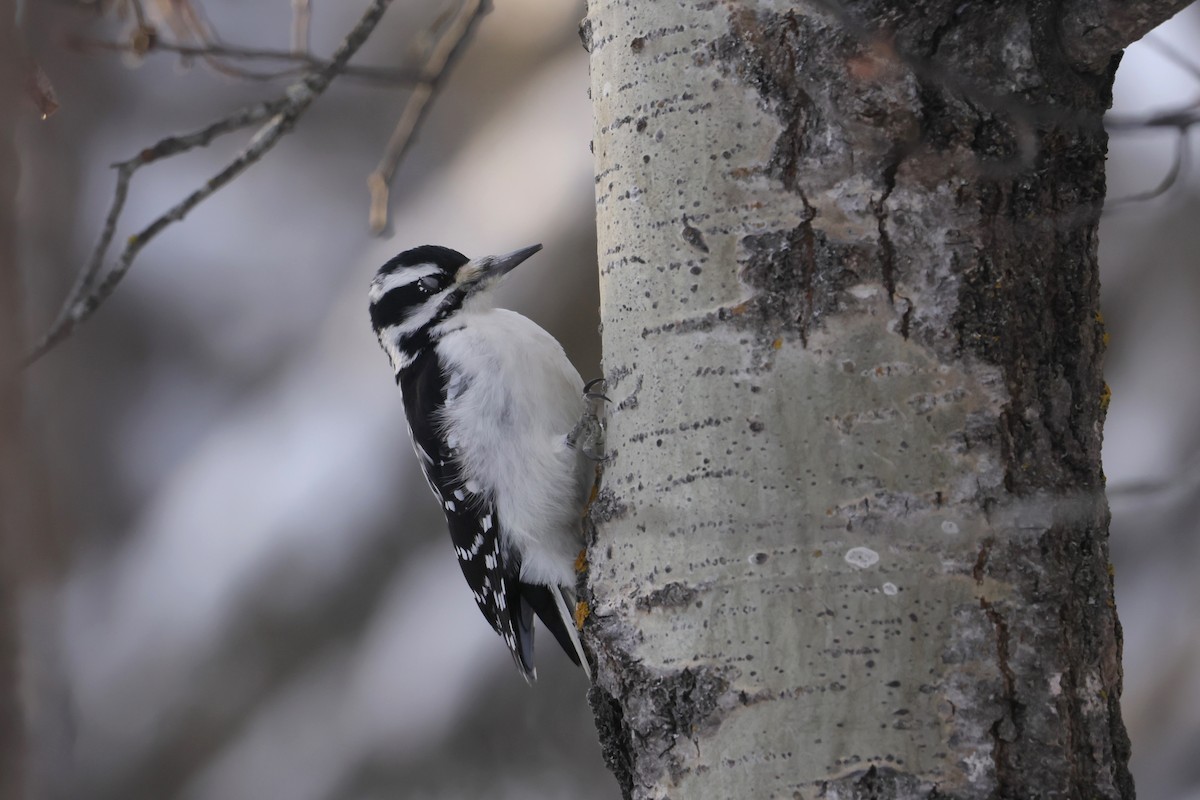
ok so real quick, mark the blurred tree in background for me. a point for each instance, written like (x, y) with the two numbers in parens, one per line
(254, 597)
(12, 455)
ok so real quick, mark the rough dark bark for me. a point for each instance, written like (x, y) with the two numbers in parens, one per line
(1094, 30)
(853, 541)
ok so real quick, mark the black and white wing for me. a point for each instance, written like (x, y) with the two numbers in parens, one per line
(493, 572)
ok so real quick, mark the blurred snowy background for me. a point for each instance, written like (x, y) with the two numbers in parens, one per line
(244, 591)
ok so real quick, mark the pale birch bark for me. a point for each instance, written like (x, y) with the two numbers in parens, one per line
(853, 538)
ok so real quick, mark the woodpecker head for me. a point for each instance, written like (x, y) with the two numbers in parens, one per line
(418, 291)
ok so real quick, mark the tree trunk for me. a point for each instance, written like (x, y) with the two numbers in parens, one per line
(12, 740)
(853, 535)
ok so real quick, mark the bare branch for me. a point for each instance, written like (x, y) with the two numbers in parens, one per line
(304, 62)
(87, 294)
(72, 311)
(436, 64)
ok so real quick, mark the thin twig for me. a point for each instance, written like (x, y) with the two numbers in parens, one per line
(1182, 118)
(1177, 167)
(283, 112)
(139, 13)
(304, 62)
(1169, 52)
(70, 314)
(436, 64)
(301, 17)
(1180, 481)
(190, 25)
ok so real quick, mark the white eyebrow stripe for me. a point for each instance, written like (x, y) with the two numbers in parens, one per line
(401, 277)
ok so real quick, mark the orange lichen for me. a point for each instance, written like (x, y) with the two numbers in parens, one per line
(581, 562)
(582, 611)
(778, 343)
(587, 507)
(1104, 337)
(1105, 397)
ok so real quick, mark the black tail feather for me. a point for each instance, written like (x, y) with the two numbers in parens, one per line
(541, 601)
(523, 654)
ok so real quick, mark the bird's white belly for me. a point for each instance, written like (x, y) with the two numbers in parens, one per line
(509, 427)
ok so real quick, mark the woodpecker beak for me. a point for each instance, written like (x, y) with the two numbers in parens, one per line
(480, 273)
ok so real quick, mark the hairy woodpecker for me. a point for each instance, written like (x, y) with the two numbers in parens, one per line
(505, 433)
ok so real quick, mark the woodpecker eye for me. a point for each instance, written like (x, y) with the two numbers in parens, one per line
(428, 284)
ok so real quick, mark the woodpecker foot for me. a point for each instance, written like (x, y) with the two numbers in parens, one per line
(588, 436)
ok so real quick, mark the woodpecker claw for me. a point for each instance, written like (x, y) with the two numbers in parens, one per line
(590, 430)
